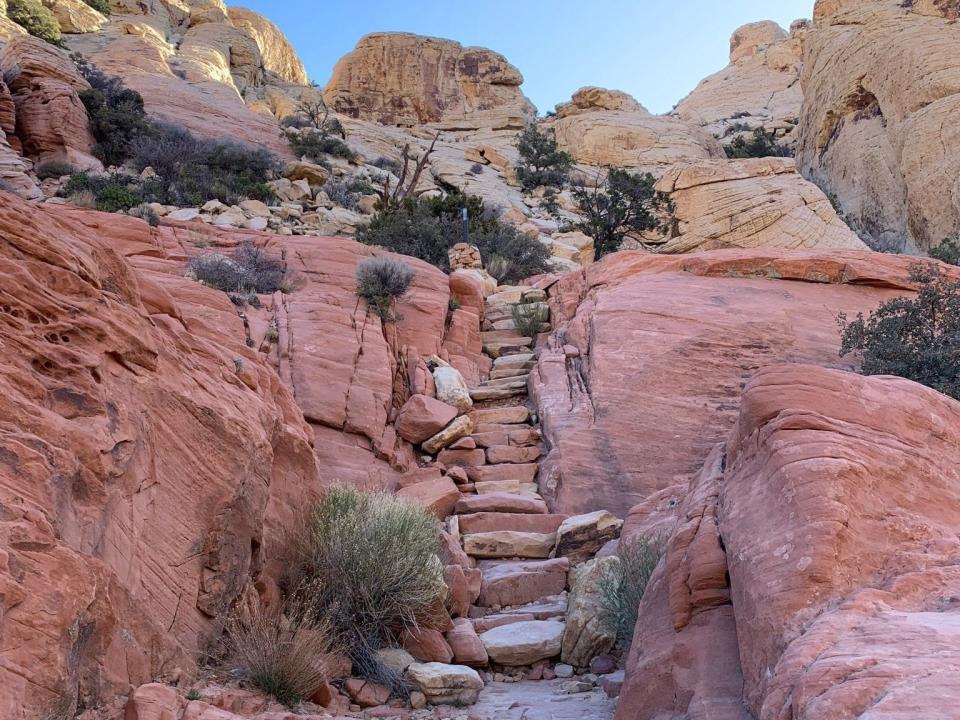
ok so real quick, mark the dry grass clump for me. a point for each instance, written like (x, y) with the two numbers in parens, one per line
(622, 588)
(382, 280)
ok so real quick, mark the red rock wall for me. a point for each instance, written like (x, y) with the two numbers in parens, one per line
(664, 346)
(150, 460)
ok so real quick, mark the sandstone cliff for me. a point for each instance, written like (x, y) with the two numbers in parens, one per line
(880, 87)
(404, 79)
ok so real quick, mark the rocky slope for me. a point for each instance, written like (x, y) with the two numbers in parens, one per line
(874, 130)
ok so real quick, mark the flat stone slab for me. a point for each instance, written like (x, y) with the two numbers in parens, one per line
(444, 684)
(508, 544)
(540, 700)
(500, 503)
(499, 393)
(524, 643)
(516, 522)
(501, 416)
(521, 473)
(514, 583)
(499, 454)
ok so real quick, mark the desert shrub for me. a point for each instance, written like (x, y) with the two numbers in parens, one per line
(36, 19)
(54, 169)
(528, 317)
(427, 227)
(761, 144)
(340, 193)
(314, 144)
(297, 122)
(249, 270)
(111, 193)
(116, 114)
(917, 338)
(622, 587)
(388, 164)
(542, 162)
(101, 6)
(382, 280)
(145, 212)
(550, 202)
(194, 170)
(280, 653)
(617, 205)
(948, 251)
(369, 564)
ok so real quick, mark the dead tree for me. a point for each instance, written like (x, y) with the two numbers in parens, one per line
(391, 196)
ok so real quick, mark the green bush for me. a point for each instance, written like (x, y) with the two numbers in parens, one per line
(618, 205)
(116, 114)
(369, 564)
(761, 144)
(528, 318)
(101, 6)
(916, 338)
(194, 170)
(542, 162)
(280, 653)
(622, 588)
(54, 169)
(381, 281)
(948, 251)
(427, 228)
(36, 19)
(314, 145)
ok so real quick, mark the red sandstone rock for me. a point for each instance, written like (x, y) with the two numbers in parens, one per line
(500, 503)
(515, 583)
(465, 644)
(427, 645)
(515, 522)
(438, 496)
(666, 344)
(422, 417)
(462, 458)
(366, 693)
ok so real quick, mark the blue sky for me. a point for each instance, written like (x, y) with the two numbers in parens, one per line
(656, 51)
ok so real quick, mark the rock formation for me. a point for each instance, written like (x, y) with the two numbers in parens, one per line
(759, 88)
(756, 203)
(875, 130)
(608, 128)
(405, 79)
(623, 420)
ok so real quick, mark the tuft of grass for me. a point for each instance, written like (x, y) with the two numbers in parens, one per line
(281, 653)
(528, 317)
(381, 281)
(622, 587)
(248, 271)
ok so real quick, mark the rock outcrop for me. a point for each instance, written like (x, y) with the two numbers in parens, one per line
(759, 88)
(643, 373)
(148, 459)
(608, 128)
(755, 203)
(405, 79)
(876, 128)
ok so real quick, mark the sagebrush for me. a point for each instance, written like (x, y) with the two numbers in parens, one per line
(369, 563)
(248, 270)
(382, 281)
(914, 337)
(760, 144)
(622, 587)
(528, 318)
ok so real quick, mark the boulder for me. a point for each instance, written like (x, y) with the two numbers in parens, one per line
(581, 537)
(395, 659)
(466, 646)
(452, 389)
(438, 496)
(426, 645)
(154, 701)
(507, 584)
(422, 417)
(315, 175)
(459, 428)
(366, 693)
(588, 634)
(446, 684)
(524, 643)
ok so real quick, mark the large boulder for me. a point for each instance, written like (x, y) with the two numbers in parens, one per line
(524, 643)
(422, 417)
(581, 536)
(446, 684)
(753, 203)
(881, 86)
(405, 79)
(664, 344)
(588, 633)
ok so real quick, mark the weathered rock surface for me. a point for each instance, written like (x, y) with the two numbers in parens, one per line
(875, 128)
(665, 344)
(446, 684)
(422, 417)
(516, 583)
(756, 203)
(405, 79)
(588, 634)
(119, 561)
(581, 536)
(524, 643)
(759, 88)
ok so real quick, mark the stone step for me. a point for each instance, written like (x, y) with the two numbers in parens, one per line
(513, 294)
(505, 342)
(514, 361)
(546, 608)
(507, 486)
(510, 372)
(498, 393)
(522, 473)
(524, 643)
(517, 522)
(500, 503)
(509, 544)
(517, 436)
(503, 454)
(513, 415)
(519, 582)
(519, 381)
